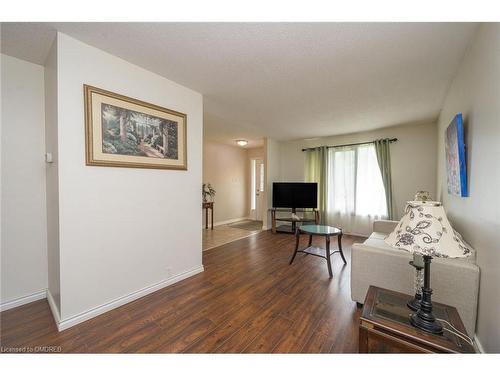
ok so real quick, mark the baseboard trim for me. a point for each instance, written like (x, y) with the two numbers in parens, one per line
(16, 302)
(479, 346)
(92, 313)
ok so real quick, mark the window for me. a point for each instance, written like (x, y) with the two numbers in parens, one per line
(257, 180)
(355, 188)
(370, 191)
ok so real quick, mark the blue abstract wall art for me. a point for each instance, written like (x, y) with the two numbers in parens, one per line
(456, 166)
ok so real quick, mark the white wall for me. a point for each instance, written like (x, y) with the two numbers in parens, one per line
(52, 179)
(24, 235)
(255, 153)
(226, 168)
(272, 167)
(475, 92)
(121, 229)
(413, 158)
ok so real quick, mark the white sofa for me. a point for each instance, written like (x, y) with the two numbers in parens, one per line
(454, 282)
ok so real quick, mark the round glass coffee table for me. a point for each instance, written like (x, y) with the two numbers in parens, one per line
(319, 230)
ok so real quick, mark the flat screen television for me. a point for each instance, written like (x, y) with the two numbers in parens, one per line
(295, 195)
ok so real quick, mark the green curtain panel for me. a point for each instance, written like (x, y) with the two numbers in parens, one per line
(382, 148)
(317, 171)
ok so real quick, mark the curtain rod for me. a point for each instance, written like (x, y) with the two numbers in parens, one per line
(347, 145)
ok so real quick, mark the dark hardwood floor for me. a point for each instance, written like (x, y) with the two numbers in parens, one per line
(248, 300)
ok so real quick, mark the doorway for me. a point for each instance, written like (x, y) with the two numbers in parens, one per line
(256, 189)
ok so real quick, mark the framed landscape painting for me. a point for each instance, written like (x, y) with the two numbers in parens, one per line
(126, 132)
(455, 157)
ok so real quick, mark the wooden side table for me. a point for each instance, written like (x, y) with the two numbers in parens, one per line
(209, 206)
(385, 327)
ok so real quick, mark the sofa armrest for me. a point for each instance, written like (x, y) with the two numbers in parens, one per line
(384, 226)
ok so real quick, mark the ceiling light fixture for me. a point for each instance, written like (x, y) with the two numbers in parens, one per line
(241, 142)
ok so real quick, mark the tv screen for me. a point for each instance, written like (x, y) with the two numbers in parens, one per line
(295, 195)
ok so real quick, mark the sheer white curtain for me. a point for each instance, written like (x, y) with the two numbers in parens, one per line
(356, 195)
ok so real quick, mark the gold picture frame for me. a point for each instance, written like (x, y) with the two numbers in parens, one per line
(125, 132)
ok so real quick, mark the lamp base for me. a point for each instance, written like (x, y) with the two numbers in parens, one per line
(414, 303)
(427, 323)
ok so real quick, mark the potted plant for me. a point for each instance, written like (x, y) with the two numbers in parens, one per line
(207, 191)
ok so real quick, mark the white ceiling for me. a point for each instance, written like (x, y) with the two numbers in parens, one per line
(281, 80)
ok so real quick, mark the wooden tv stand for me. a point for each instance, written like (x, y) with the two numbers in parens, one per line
(290, 228)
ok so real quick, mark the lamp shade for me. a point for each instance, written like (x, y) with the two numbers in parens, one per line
(424, 229)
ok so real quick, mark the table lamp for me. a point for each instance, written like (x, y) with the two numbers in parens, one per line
(424, 229)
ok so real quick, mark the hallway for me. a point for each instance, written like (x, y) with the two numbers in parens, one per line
(223, 234)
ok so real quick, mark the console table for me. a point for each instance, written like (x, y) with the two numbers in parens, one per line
(291, 228)
(209, 206)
